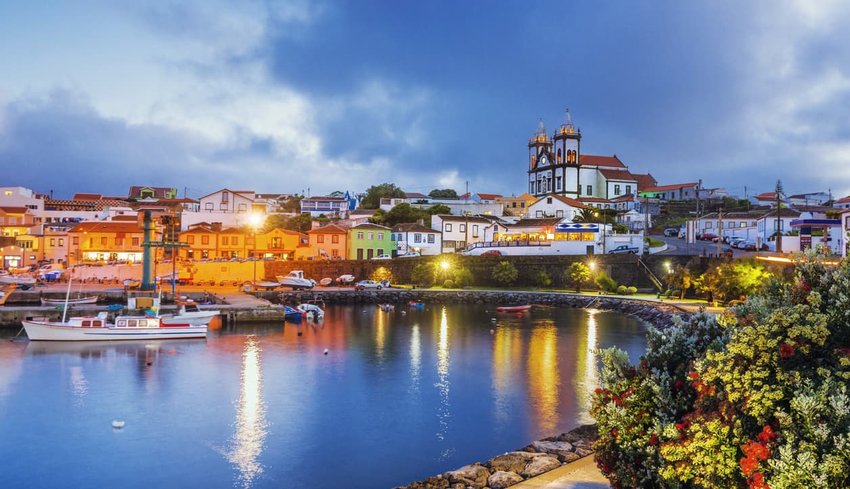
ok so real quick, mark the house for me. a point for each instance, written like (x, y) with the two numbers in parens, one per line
(21, 197)
(202, 241)
(151, 193)
(416, 238)
(842, 203)
(277, 243)
(644, 181)
(767, 199)
(105, 241)
(740, 224)
(234, 243)
(325, 206)
(635, 220)
(15, 221)
(516, 206)
(459, 231)
(768, 224)
(328, 242)
(480, 198)
(368, 241)
(49, 247)
(678, 191)
(811, 198)
(359, 216)
(555, 206)
(229, 208)
(845, 226)
(554, 236)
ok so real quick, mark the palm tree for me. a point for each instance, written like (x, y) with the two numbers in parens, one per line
(779, 191)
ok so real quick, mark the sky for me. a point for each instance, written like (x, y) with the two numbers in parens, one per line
(318, 96)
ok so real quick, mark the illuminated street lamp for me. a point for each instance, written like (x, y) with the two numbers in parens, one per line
(255, 220)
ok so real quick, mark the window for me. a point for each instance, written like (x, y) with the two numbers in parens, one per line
(205, 240)
(370, 235)
(190, 239)
(462, 228)
(579, 189)
(320, 238)
(448, 228)
(225, 240)
(522, 204)
(103, 240)
(61, 241)
(708, 225)
(381, 236)
(548, 200)
(430, 239)
(590, 190)
(359, 235)
(234, 240)
(52, 241)
(209, 206)
(243, 207)
(334, 252)
(743, 224)
(628, 189)
(225, 197)
(75, 240)
(616, 190)
(475, 230)
(559, 213)
(417, 237)
(335, 239)
(539, 214)
(119, 242)
(223, 206)
(558, 183)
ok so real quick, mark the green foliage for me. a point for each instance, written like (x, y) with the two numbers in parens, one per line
(449, 284)
(542, 278)
(577, 274)
(464, 277)
(422, 275)
(374, 194)
(406, 213)
(621, 289)
(731, 281)
(301, 223)
(606, 283)
(439, 209)
(620, 229)
(293, 204)
(505, 273)
(680, 280)
(445, 193)
(631, 290)
(757, 397)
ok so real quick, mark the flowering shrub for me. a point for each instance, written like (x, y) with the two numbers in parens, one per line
(757, 397)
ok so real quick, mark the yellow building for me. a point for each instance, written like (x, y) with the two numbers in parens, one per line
(105, 242)
(202, 243)
(232, 243)
(15, 221)
(516, 206)
(278, 243)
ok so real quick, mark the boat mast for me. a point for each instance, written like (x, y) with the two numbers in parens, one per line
(67, 294)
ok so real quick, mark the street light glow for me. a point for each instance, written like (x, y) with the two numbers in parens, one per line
(445, 265)
(255, 220)
(592, 265)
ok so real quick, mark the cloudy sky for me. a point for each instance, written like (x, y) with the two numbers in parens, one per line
(96, 96)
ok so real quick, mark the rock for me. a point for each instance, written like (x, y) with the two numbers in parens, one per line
(501, 479)
(583, 452)
(569, 457)
(512, 461)
(553, 447)
(471, 475)
(539, 465)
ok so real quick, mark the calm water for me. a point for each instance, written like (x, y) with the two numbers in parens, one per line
(397, 398)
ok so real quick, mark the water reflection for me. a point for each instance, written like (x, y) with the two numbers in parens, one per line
(507, 358)
(249, 439)
(380, 335)
(415, 357)
(544, 378)
(586, 379)
(443, 385)
(79, 385)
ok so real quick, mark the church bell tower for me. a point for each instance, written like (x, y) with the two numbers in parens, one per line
(567, 142)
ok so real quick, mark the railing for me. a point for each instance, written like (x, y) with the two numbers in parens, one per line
(508, 244)
(652, 276)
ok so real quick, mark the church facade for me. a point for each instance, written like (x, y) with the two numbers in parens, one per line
(557, 166)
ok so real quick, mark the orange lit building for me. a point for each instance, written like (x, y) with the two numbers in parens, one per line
(202, 241)
(328, 242)
(211, 242)
(277, 243)
(15, 221)
(105, 241)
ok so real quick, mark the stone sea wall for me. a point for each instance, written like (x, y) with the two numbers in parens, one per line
(513, 467)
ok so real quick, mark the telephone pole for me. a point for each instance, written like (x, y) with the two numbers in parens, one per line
(719, 229)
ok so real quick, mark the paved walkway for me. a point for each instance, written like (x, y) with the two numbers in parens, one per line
(581, 474)
(240, 299)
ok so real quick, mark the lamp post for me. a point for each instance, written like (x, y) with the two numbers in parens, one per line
(255, 220)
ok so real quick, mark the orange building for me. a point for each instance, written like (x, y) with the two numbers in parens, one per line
(202, 241)
(105, 242)
(15, 221)
(329, 242)
(277, 243)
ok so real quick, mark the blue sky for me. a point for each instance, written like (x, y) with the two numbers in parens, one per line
(96, 96)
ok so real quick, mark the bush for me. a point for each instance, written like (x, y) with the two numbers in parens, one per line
(757, 397)
(463, 277)
(505, 273)
(422, 276)
(577, 275)
(449, 284)
(542, 278)
(606, 283)
(621, 289)
(631, 290)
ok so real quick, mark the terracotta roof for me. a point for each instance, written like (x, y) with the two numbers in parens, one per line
(596, 160)
(329, 229)
(324, 199)
(767, 196)
(199, 229)
(489, 196)
(844, 200)
(177, 201)
(734, 215)
(14, 210)
(369, 225)
(533, 222)
(624, 198)
(415, 195)
(618, 175)
(783, 212)
(106, 227)
(125, 218)
(87, 197)
(594, 200)
(412, 227)
(566, 200)
(645, 181)
(453, 218)
(675, 186)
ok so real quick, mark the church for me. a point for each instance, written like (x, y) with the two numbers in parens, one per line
(557, 166)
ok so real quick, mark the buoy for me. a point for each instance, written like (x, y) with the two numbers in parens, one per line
(492, 320)
(117, 424)
(492, 331)
(326, 351)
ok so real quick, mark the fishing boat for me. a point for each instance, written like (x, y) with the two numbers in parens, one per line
(293, 314)
(513, 308)
(296, 280)
(92, 299)
(189, 312)
(97, 328)
(387, 307)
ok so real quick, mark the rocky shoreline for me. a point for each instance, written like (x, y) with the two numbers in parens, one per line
(657, 313)
(514, 467)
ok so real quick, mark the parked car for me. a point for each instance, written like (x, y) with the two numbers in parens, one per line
(671, 232)
(410, 254)
(731, 239)
(707, 237)
(624, 249)
(367, 284)
(492, 253)
(382, 257)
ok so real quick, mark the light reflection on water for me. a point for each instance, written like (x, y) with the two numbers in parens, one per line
(260, 406)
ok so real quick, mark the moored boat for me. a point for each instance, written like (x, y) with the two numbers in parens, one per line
(513, 308)
(311, 310)
(190, 313)
(97, 328)
(17, 279)
(92, 299)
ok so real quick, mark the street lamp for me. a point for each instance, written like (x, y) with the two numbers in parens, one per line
(255, 220)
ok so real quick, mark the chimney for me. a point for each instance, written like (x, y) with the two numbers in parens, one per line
(215, 226)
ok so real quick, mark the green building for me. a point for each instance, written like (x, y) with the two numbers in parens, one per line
(367, 241)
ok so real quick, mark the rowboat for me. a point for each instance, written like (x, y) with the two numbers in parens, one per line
(92, 299)
(513, 308)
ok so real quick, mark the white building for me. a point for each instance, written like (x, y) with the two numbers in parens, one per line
(811, 198)
(553, 236)
(555, 206)
(843, 203)
(231, 208)
(416, 238)
(325, 206)
(845, 221)
(459, 231)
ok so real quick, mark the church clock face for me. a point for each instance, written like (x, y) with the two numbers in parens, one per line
(543, 161)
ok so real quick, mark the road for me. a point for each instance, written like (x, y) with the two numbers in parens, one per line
(676, 246)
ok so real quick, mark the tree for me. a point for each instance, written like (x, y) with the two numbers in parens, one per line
(542, 278)
(375, 193)
(445, 193)
(422, 275)
(439, 209)
(680, 279)
(505, 273)
(292, 204)
(577, 274)
(301, 223)
(732, 281)
(402, 213)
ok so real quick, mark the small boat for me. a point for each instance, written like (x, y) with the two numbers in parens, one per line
(513, 308)
(296, 280)
(189, 312)
(416, 305)
(326, 281)
(311, 310)
(387, 307)
(90, 328)
(92, 299)
(266, 285)
(293, 314)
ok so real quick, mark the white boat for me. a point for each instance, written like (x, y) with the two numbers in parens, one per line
(312, 309)
(92, 299)
(17, 279)
(296, 280)
(97, 328)
(189, 312)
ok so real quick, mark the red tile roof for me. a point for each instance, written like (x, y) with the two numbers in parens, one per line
(414, 227)
(844, 200)
(675, 186)
(369, 225)
(622, 175)
(596, 160)
(595, 200)
(624, 198)
(566, 200)
(489, 196)
(14, 210)
(645, 181)
(106, 227)
(87, 197)
(329, 229)
(766, 196)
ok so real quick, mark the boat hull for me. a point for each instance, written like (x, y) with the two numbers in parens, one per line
(45, 331)
(202, 318)
(61, 302)
(513, 308)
